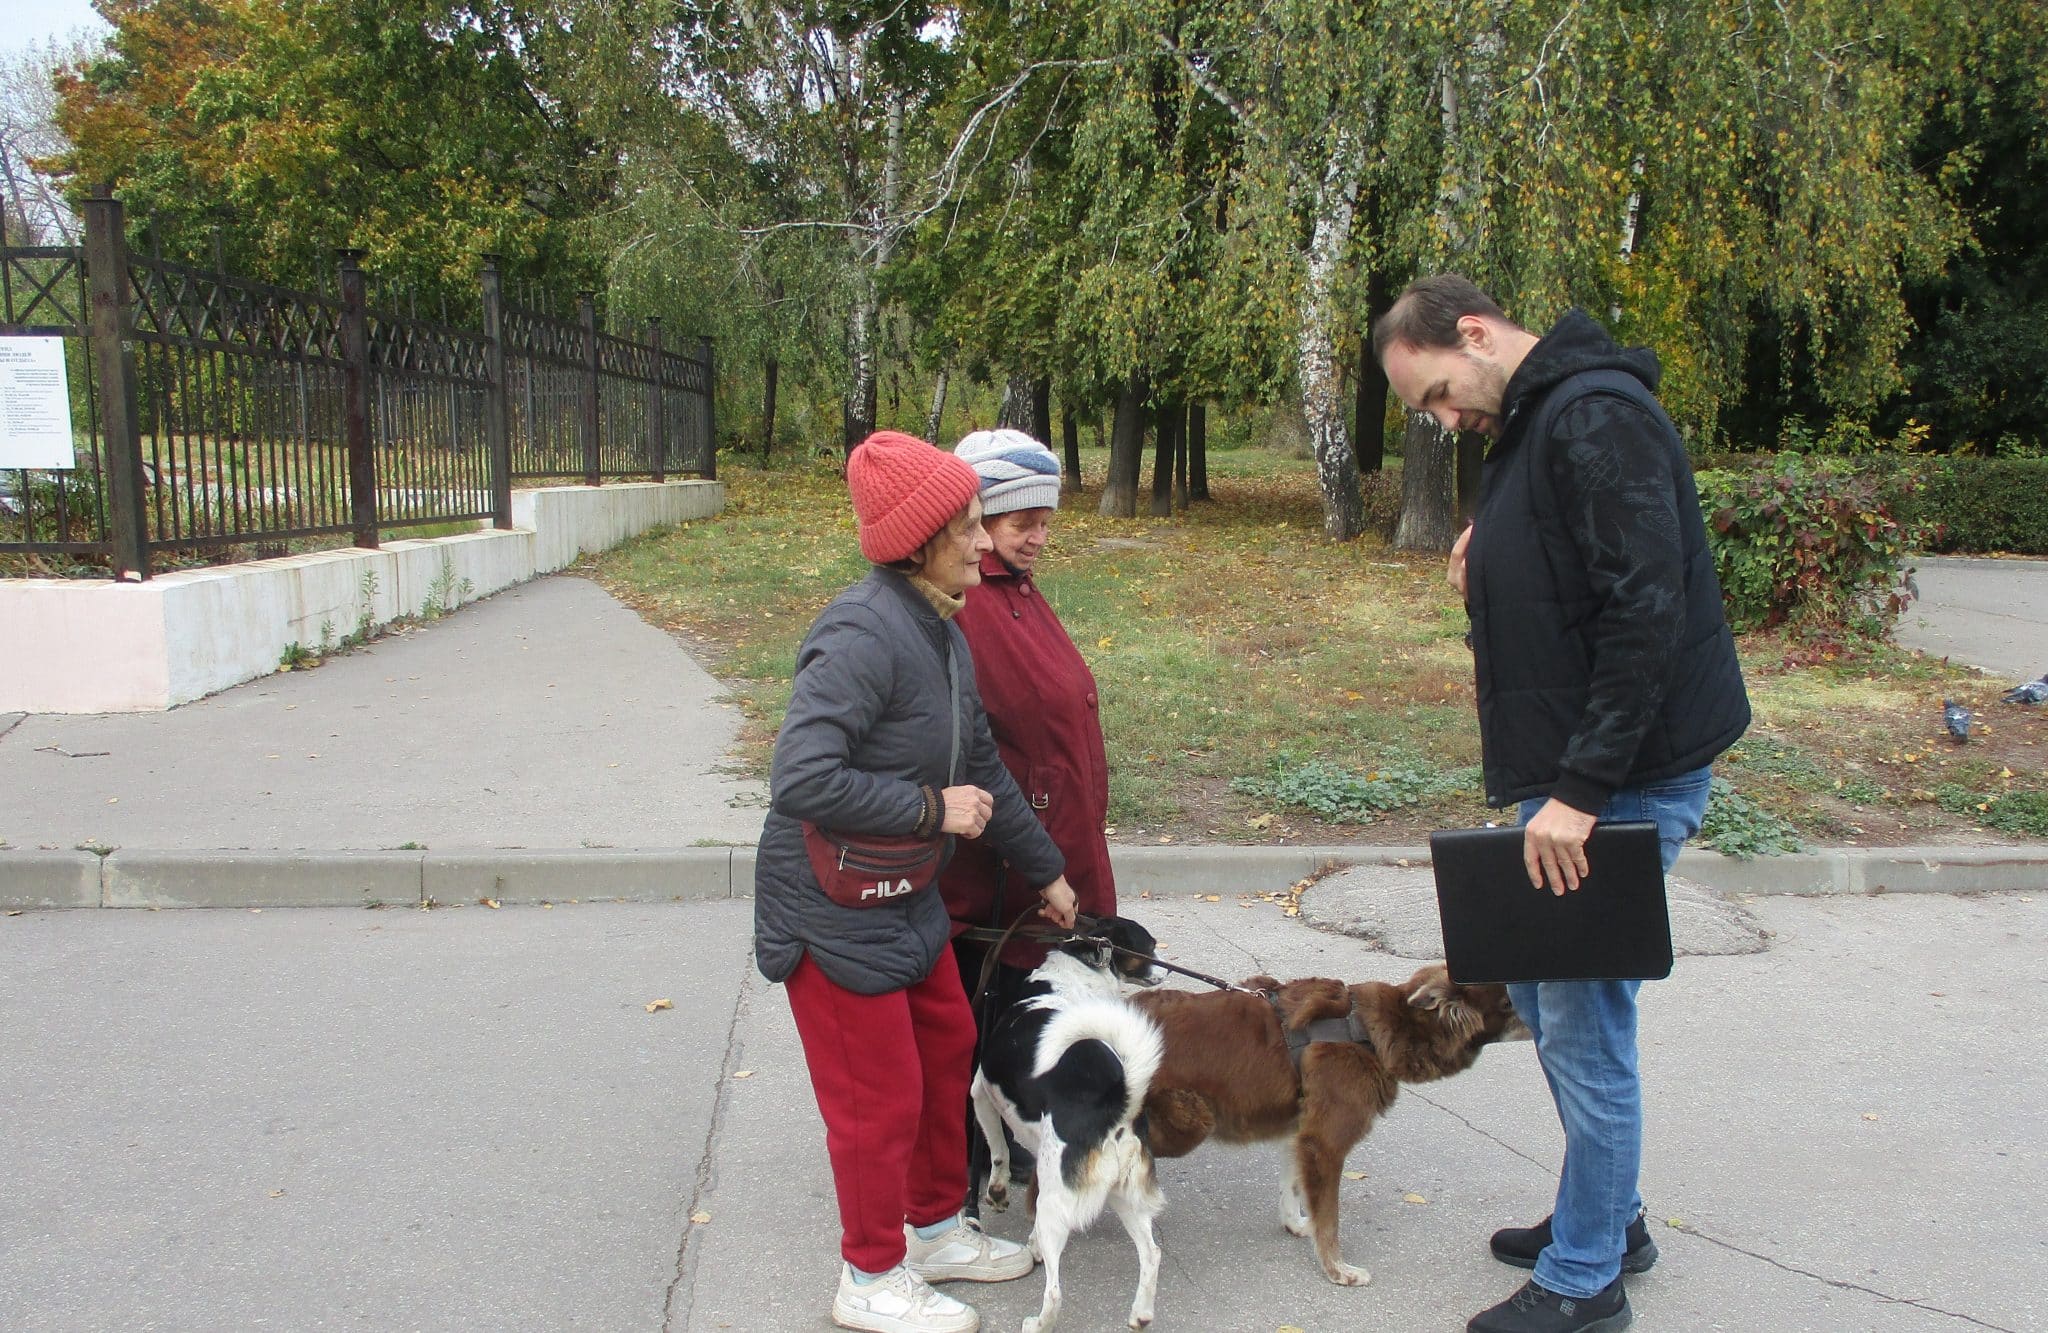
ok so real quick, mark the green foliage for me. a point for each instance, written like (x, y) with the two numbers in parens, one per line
(2023, 813)
(1766, 756)
(1979, 504)
(1809, 543)
(424, 134)
(1849, 437)
(1341, 795)
(1983, 322)
(446, 592)
(1738, 826)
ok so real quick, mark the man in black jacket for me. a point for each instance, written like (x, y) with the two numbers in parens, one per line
(1607, 683)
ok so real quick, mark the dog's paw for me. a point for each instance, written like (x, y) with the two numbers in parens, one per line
(1294, 1212)
(996, 1197)
(1346, 1275)
(1141, 1318)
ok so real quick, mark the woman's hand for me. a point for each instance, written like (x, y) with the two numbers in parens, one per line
(967, 811)
(1059, 903)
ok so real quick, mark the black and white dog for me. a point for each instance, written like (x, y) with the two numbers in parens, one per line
(1067, 1067)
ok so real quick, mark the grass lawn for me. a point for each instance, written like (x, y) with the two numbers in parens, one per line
(1259, 683)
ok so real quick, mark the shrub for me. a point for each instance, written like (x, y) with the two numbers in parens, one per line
(1980, 504)
(1812, 543)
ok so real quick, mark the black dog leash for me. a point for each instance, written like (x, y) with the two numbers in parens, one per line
(1083, 925)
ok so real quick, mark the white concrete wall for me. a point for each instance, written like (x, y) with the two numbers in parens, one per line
(73, 646)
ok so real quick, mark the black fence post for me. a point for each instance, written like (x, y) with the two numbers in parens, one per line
(657, 438)
(106, 269)
(710, 412)
(355, 399)
(586, 310)
(497, 411)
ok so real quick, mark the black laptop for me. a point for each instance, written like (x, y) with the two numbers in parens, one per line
(1613, 927)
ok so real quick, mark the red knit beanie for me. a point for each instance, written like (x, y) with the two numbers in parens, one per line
(904, 491)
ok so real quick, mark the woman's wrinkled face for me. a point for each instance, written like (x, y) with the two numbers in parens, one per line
(1020, 535)
(951, 561)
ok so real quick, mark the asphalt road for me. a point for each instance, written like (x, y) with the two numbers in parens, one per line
(468, 1119)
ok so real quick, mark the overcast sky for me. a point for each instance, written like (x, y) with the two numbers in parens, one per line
(33, 22)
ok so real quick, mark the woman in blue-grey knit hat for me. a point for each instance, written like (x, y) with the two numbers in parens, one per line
(1042, 708)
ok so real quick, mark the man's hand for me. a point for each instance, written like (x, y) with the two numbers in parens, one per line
(1059, 903)
(967, 811)
(1456, 573)
(1554, 846)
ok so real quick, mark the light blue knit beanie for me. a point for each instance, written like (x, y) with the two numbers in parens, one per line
(1016, 471)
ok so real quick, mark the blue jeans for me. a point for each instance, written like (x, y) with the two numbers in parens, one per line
(1586, 1040)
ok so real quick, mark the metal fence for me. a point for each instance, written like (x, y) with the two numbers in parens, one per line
(212, 413)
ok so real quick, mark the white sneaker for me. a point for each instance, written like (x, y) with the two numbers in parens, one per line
(899, 1302)
(965, 1254)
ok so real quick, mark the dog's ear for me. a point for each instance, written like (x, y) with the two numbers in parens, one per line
(1261, 982)
(1437, 994)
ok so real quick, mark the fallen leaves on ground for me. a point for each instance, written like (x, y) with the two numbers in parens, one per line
(653, 1006)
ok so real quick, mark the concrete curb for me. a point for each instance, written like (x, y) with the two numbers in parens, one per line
(49, 879)
(31, 879)
(258, 879)
(557, 876)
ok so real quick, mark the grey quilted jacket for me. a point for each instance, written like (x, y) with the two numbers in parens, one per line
(866, 726)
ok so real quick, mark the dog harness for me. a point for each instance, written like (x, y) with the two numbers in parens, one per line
(1349, 1029)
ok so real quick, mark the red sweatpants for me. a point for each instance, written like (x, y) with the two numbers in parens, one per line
(891, 1073)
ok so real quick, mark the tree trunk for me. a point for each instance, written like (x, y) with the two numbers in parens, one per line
(769, 373)
(1126, 449)
(937, 416)
(1070, 439)
(860, 395)
(1040, 428)
(1315, 350)
(1370, 433)
(1198, 452)
(1471, 454)
(1166, 428)
(1429, 454)
(1429, 501)
(864, 321)
(1180, 460)
(1014, 413)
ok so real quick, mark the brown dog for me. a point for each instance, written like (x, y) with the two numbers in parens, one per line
(1227, 1072)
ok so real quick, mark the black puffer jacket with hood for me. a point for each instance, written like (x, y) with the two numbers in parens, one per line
(1603, 656)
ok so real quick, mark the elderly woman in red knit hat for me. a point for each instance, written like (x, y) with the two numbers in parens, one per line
(885, 744)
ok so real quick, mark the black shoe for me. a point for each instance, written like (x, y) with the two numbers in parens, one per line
(1535, 1309)
(1520, 1245)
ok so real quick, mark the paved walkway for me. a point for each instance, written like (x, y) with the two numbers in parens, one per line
(1991, 614)
(548, 716)
(467, 1119)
